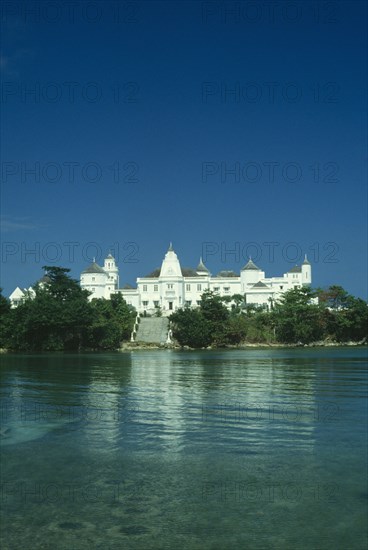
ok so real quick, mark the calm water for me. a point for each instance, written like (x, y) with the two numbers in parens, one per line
(185, 450)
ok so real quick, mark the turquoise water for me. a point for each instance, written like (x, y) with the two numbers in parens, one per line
(185, 450)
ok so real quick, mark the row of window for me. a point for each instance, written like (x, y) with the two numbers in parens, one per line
(170, 286)
(94, 278)
(156, 303)
(217, 289)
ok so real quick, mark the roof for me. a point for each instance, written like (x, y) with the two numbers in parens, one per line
(260, 285)
(296, 269)
(154, 274)
(251, 265)
(227, 274)
(189, 272)
(94, 268)
(128, 287)
(109, 257)
(202, 267)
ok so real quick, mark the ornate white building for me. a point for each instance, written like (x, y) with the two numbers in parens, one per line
(173, 287)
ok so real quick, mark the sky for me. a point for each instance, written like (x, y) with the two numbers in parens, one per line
(232, 129)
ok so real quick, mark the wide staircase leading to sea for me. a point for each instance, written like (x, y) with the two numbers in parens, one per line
(152, 330)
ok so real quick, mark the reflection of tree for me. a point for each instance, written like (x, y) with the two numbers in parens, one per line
(66, 377)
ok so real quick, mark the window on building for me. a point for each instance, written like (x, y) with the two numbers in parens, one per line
(93, 278)
(144, 288)
(170, 286)
(187, 287)
(199, 287)
(198, 302)
(155, 288)
(188, 303)
(156, 303)
(216, 289)
(93, 289)
(281, 287)
(145, 303)
(226, 288)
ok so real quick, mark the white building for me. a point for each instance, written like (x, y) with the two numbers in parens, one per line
(102, 282)
(172, 287)
(20, 294)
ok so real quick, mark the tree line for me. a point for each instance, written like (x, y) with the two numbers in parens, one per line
(293, 319)
(59, 317)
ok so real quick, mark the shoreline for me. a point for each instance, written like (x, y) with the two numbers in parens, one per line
(130, 346)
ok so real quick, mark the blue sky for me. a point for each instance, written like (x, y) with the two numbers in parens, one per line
(231, 129)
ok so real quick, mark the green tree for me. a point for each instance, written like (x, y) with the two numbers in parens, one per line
(238, 304)
(296, 318)
(334, 297)
(216, 315)
(4, 319)
(345, 317)
(111, 322)
(190, 328)
(56, 318)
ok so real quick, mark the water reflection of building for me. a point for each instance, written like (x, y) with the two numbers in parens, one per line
(103, 410)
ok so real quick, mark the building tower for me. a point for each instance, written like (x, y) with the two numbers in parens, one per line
(170, 266)
(94, 279)
(250, 275)
(171, 279)
(306, 272)
(112, 270)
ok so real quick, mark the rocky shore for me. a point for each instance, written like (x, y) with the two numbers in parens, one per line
(131, 346)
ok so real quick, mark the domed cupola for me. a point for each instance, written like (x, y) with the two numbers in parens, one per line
(201, 269)
(170, 266)
(250, 274)
(251, 265)
(94, 268)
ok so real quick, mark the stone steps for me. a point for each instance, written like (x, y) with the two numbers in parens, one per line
(152, 330)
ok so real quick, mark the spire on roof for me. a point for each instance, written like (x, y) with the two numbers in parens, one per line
(170, 266)
(201, 267)
(251, 265)
(306, 262)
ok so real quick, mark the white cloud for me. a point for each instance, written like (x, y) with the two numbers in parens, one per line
(8, 224)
